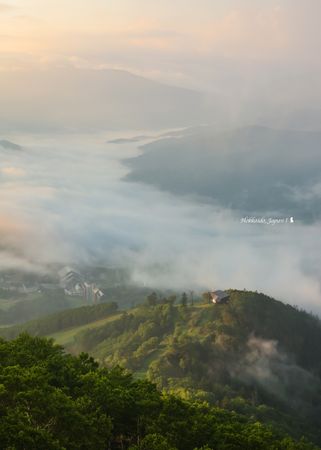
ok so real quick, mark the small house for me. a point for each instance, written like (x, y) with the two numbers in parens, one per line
(219, 297)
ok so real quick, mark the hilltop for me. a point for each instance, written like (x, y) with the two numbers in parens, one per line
(253, 355)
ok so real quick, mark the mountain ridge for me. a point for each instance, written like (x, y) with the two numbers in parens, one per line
(96, 99)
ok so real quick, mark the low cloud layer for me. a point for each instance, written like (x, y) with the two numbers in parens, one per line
(270, 368)
(70, 205)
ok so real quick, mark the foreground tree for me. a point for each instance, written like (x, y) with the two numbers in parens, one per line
(54, 401)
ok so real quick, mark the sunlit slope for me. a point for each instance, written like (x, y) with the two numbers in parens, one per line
(63, 325)
(66, 337)
(254, 354)
(131, 336)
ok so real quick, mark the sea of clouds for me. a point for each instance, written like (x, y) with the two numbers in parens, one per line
(63, 200)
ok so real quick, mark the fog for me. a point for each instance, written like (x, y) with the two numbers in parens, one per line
(103, 71)
(63, 200)
(249, 62)
(271, 368)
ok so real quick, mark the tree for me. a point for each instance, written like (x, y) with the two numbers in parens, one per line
(207, 297)
(153, 442)
(152, 299)
(184, 299)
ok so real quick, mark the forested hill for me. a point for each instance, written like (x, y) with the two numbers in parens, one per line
(253, 355)
(54, 401)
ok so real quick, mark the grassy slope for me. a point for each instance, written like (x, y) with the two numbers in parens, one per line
(23, 307)
(19, 308)
(66, 337)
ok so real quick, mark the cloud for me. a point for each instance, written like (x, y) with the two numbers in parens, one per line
(246, 32)
(258, 58)
(27, 245)
(270, 368)
(63, 200)
(71, 207)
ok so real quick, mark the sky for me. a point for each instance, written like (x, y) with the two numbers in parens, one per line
(64, 200)
(180, 42)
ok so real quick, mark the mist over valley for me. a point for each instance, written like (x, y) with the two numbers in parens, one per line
(160, 225)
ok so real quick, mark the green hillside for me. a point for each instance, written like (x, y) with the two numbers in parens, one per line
(70, 320)
(16, 308)
(253, 355)
(54, 401)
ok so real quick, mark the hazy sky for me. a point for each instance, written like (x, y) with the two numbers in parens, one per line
(167, 40)
(260, 56)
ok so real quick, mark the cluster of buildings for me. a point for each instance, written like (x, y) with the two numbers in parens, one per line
(73, 284)
(69, 280)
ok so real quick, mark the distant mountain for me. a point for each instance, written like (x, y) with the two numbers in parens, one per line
(9, 145)
(172, 133)
(253, 170)
(73, 99)
(253, 354)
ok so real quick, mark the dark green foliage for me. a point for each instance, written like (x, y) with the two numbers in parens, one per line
(43, 405)
(153, 442)
(152, 299)
(253, 355)
(53, 401)
(184, 300)
(62, 320)
(125, 295)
